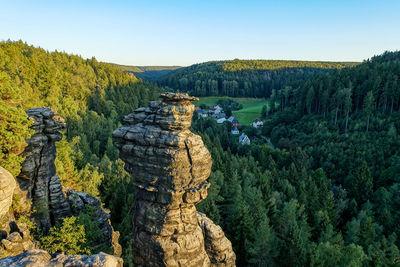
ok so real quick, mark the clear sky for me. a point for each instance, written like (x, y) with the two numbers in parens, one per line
(171, 32)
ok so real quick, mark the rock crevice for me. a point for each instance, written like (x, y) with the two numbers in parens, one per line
(38, 174)
(41, 185)
(170, 166)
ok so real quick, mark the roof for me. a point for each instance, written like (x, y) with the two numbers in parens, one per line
(200, 111)
(242, 137)
(234, 128)
(231, 118)
(257, 120)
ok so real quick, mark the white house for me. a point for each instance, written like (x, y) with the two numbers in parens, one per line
(221, 120)
(218, 106)
(234, 130)
(231, 118)
(201, 113)
(244, 139)
(257, 123)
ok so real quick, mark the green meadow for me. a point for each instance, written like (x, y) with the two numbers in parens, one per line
(251, 107)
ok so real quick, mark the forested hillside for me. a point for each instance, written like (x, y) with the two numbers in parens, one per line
(147, 73)
(92, 97)
(250, 78)
(328, 195)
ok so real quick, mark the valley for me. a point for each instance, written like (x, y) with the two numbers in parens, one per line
(319, 167)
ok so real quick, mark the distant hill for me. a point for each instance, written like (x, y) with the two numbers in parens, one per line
(147, 73)
(245, 78)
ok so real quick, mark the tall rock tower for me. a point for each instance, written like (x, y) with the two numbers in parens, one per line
(38, 174)
(170, 166)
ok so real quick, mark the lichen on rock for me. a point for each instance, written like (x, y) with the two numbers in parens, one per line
(38, 174)
(38, 257)
(40, 184)
(170, 166)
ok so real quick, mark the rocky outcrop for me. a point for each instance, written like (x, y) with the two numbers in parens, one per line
(218, 247)
(39, 183)
(18, 240)
(42, 258)
(170, 166)
(79, 202)
(7, 186)
(14, 237)
(38, 174)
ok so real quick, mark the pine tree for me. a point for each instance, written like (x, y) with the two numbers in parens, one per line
(368, 106)
(14, 126)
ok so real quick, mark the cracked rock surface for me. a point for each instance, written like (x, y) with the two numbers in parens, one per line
(39, 183)
(170, 166)
(38, 174)
(41, 258)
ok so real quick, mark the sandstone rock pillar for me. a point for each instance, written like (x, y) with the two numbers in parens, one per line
(170, 166)
(38, 174)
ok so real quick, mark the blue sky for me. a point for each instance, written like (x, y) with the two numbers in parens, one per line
(174, 32)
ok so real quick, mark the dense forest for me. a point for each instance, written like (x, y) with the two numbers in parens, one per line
(327, 195)
(147, 73)
(92, 97)
(250, 78)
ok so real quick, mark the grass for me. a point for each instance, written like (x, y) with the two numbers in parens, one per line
(251, 107)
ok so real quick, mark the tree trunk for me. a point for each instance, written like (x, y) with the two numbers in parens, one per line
(347, 121)
(367, 123)
(391, 108)
(384, 107)
(337, 110)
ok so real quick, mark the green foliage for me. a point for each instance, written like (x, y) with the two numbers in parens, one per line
(68, 237)
(250, 78)
(91, 179)
(92, 97)
(237, 64)
(91, 226)
(13, 125)
(32, 227)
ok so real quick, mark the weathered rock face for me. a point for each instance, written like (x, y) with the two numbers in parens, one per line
(17, 241)
(38, 174)
(40, 184)
(14, 237)
(7, 186)
(79, 202)
(42, 258)
(170, 166)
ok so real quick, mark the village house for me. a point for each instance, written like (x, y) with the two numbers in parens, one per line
(244, 139)
(201, 113)
(217, 109)
(234, 130)
(257, 123)
(221, 120)
(234, 121)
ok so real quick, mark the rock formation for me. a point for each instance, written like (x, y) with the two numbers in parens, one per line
(170, 166)
(14, 237)
(17, 247)
(38, 174)
(79, 201)
(40, 184)
(7, 186)
(42, 258)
